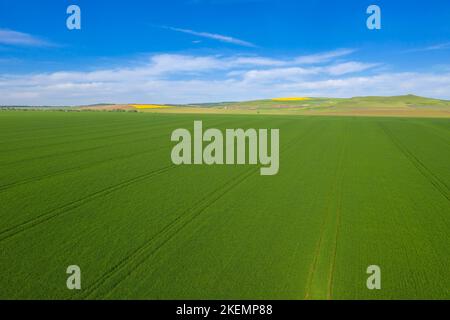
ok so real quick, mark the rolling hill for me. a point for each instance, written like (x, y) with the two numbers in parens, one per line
(407, 105)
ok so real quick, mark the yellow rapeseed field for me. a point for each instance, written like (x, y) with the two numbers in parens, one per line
(291, 99)
(149, 106)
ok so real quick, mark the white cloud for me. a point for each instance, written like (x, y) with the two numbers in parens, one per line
(349, 67)
(168, 78)
(425, 84)
(15, 38)
(435, 47)
(214, 36)
(323, 56)
(285, 74)
(258, 61)
(288, 74)
(439, 46)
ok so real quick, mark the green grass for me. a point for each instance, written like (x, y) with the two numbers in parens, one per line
(396, 105)
(98, 190)
(406, 101)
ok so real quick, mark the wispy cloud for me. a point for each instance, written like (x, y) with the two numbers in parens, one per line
(214, 36)
(296, 73)
(177, 78)
(16, 38)
(324, 56)
(438, 46)
(349, 67)
(435, 47)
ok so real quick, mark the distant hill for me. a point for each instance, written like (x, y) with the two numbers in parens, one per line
(406, 105)
(407, 101)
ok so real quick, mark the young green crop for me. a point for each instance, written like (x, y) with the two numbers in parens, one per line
(99, 190)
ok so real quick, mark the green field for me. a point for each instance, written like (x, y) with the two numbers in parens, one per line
(401, 106)
(98, 190)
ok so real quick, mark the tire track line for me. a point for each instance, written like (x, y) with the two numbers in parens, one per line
(142, 128)
(325, 222)
(304, 136)
(98, 135)
(6, 187)
(84, 135)
(37, 130)
(64, 209)
(104, 146)
(316, 257)
(140, 255)
(338, 218)
(436, 131)
(7, 233)
(202, 206)
(314, 202)
(438, 184)
(417, 160)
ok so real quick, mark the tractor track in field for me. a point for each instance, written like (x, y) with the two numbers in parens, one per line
(303, 135)
(56, 212)
(326, 219)
(140, 254)
(88, 136)
(436, 131)
(312, 268)
(65, 127)
(437, 183)
(338, 217)
(53, 155)
(64, 209)
(407, 226)
(104, 146)
(6, 187)
(314, 202)
(141, 129)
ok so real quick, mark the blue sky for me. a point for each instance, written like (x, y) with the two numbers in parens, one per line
(184, 51)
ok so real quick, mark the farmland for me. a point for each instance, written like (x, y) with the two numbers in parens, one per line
(99, 190)
(404, 106)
